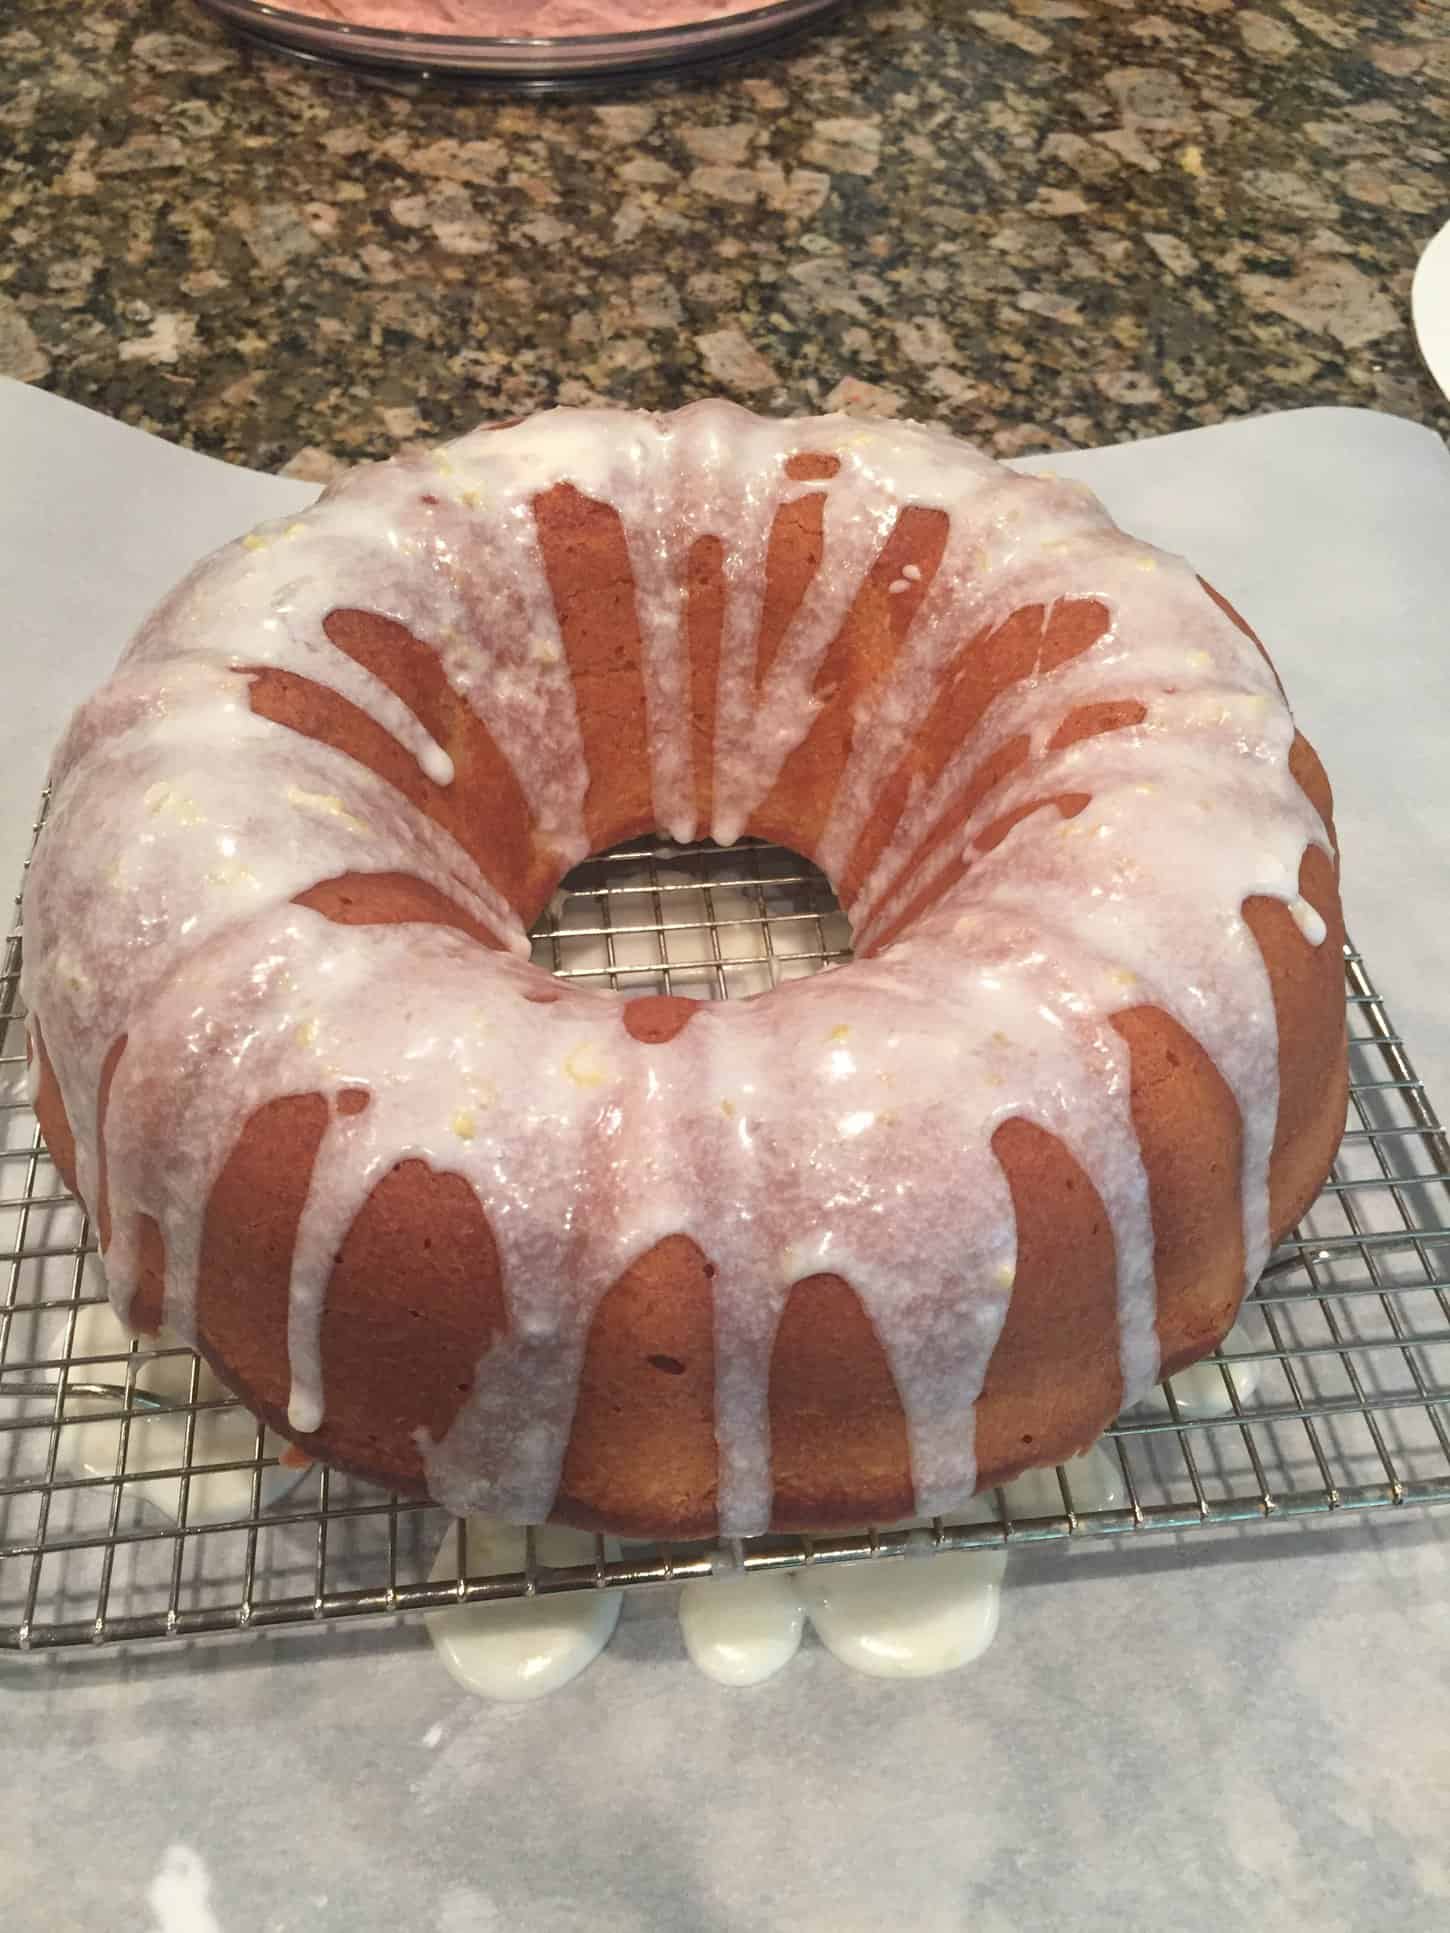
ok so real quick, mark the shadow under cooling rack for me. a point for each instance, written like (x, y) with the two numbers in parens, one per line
(137, 1501)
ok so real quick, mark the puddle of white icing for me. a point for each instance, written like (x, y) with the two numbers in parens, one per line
(907, 1617)
(910, 1617)
(157, 1439)
(520, 1648)
(889, 1617)
(1200, 1390)
(180, 1894)
(742, 1630)
(1094, 1481)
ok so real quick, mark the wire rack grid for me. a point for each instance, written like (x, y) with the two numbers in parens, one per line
(139, 1501)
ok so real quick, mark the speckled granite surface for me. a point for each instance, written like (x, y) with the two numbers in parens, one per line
(1046, 222)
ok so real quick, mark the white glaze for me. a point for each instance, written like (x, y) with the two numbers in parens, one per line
(741, 1630)
(938, 1614)
(908, 1617)
(520, 1648)
(180, 1894)
(914, 1616)
(157, 1438)
(1094, 1481)
(1201, 1389)
(183, 826)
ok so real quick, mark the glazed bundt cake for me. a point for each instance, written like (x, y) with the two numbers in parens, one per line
(847, 1251)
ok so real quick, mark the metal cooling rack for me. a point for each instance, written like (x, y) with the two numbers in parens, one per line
(1334, 1397)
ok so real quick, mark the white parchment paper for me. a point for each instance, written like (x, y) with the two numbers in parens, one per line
(1248, 1729)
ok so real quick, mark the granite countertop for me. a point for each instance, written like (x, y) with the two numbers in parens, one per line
(1048, 223)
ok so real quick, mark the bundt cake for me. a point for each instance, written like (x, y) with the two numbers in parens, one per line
(844, 1252)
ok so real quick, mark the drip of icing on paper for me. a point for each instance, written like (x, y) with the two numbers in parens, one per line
(520, 1648)
(914, 1616)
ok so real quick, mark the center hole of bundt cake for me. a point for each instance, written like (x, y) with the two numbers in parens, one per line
(659, 922)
